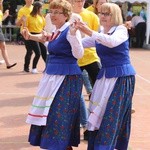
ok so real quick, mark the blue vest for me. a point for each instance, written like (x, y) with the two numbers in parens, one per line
(115, 61)
(60, 60)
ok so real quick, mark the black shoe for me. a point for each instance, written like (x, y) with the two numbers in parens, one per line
(86, 135)
(69, 148)
(8, 67)
(26, 70)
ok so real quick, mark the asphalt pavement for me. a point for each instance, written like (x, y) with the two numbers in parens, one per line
(18, 88)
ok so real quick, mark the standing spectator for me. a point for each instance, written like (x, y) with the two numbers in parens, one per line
(109, 121)
(21, 19)
(90, 60)
(2, 39)
(55, 113)
(35, 22)
(140, 29)
(143, 13)
(129, 14)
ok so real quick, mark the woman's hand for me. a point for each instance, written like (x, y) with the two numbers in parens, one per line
(83, 28)
(6, 12)
(44, 36)
(73, 28)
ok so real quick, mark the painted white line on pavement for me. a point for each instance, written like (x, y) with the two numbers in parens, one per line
(142, 94)
(146, 80)
(16, 93)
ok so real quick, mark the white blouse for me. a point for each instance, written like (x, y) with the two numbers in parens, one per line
(120, 35)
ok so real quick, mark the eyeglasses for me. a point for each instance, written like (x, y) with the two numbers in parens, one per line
(104, 14)
(55, 12)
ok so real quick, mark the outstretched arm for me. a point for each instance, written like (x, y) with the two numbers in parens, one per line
(6, 14)
(42, 37)
(21, 21)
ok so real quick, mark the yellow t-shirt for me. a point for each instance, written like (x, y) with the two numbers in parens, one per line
(90, 55)
(24, 11)
(90, 8)
(35, 24)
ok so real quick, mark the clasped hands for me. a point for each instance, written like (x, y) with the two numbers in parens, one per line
(77, 24)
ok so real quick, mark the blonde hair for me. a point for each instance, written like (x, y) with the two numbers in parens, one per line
(115, 11)
(64, 5)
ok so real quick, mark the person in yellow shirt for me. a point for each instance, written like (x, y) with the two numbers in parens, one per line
(21, 18)
(90, 61)
(35, 22)
(24, 12)
(2, 39)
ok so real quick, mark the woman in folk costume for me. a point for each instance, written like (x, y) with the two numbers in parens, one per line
(55, 112)
(111, 100)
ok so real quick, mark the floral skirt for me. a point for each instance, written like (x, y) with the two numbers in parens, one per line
(114, 131)
(63, 123)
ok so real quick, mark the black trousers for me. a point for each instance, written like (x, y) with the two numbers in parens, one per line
(140, 30)
(92, 70)
(38, 49)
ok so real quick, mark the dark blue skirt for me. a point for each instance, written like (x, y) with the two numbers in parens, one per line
(114, 131)
(63, 122)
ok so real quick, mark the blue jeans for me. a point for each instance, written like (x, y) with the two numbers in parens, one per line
(83, 112)
(86, 82)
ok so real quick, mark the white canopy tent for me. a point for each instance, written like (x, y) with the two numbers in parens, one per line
(148, 14)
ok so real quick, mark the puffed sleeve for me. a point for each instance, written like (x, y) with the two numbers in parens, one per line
(76, 44)
(119, 36)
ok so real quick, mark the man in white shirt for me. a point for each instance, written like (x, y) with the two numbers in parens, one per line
(140, 29)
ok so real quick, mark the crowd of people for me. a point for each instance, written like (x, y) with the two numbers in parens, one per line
(138, 29)
(71, 40)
